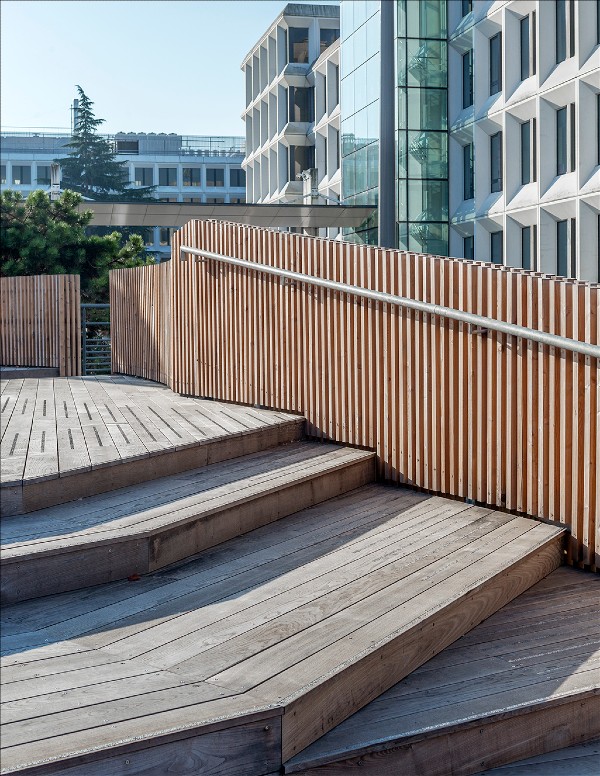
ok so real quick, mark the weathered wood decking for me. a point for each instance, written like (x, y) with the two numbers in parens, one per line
(147, 526)
(66, 438)
(294, 625)
(527, 680)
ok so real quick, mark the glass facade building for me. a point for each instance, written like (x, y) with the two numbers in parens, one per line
(422, 125)
(360, 97)
(419, 105)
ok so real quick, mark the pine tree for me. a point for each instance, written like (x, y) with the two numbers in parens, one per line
(41, 236)
(91, 168)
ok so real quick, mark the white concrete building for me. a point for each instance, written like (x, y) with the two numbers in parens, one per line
(183, 168)
(524, 123)
(292, 108)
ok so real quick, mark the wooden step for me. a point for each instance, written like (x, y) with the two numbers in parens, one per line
(577, 760)
(68, 438)
(145, 527)
(241, 658)
(523, 683)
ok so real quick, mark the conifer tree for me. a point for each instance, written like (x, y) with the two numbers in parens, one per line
(91, 167)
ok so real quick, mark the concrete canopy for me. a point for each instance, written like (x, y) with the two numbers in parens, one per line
(177, 214)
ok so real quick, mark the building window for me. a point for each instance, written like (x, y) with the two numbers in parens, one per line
(215, 200)
(238, 200)
(467, 79)
(566, 242)
(301, 103)
(298, 44)
(561, 141)
(496, 247)
(193, 200)
(565, 29)
(469, 247)
(597, 118)
(526, 247)
(496, 162)
(167, 176)
(468, 172)
(147, 234)
(127, 147)
(43, 174)
(164, 236)
(562, 247)
(466, 7)
(572, 136)
(336, 85)
(215, 177)
(525, 53)
(21, 174)
(192, 176)
(301, 158)
(496, 63)
(327, 37)
(143, 176)
(3, 173)
(168, 199)
(525, 152)
(237, 178)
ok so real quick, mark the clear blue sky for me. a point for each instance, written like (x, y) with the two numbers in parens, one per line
(148, 65)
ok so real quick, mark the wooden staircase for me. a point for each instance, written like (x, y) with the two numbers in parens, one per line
(241, 611)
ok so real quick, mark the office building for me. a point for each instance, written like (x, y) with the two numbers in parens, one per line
(292, 109)
(474, 125)
(183, 168)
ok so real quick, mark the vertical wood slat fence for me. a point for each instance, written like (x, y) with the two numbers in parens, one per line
(140, 305)
(468, 413)
(40, 317)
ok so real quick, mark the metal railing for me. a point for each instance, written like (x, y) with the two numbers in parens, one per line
(480, 322)
(95, 339)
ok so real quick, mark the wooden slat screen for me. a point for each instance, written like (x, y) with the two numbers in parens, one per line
(140, 304)
(472, 414)
(41, 322)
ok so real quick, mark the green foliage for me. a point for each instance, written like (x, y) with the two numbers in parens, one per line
(38, 236)
(91, 167)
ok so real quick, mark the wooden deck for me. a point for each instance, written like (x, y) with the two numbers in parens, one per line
(578, 760)
(514, 686)
(238, 660)
(144, 527)
(60, 436)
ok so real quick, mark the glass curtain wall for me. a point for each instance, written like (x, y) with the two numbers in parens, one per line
(360, 72)
(422, 125)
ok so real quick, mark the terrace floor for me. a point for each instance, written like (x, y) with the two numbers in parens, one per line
(54, 428)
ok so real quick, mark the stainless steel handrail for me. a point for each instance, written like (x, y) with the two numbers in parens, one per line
(480, 321)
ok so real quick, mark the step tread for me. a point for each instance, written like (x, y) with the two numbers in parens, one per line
(579, 760)
(313, 595)
(146, 508)
(486, 674)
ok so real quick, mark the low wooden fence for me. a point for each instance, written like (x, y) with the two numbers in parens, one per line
(140, 309)
(40, 322)
(449, 408)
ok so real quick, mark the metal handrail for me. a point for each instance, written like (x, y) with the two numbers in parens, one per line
(479, 321)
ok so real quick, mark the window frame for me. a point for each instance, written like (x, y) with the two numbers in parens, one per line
(562, 148)
(496, 183)
(495, 237)
(526, 176)
(495, 53)
(167, 171)
(467, 79)
(468, 172)
(214, 184)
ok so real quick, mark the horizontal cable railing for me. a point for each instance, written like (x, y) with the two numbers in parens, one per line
(479, 321)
